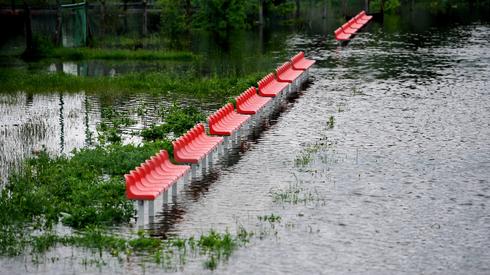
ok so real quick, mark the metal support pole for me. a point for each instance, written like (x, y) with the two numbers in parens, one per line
(174, 191)
(193, 171)
(141, 213)
(151, 209)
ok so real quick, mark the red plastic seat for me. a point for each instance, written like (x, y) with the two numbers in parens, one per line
(225, 121)
(200, 133)
(162, 161)
(250, 103)
(149, 178)
(347, 29)
(364, 18)
(299, 62)
(341, 35)
(286, 73)
(138, 188)
(193, 146)
(135, 191)
(270, 87)
(157, 173)
(355, 24)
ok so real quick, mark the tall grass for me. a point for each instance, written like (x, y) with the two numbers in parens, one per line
(117, 54)
(157, 83)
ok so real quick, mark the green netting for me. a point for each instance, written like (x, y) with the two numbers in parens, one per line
(74, 25)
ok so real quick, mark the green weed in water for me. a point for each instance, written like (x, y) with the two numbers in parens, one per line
(110, 129)
(216, 88)
(296, 193)
(306, 156)
(270, 218)
(177, 120)
(330, 122)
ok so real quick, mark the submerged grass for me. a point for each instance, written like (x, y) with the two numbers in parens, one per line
(297, 193)
(117, 54)
(157, 83)
(215, 246)
(177, 120)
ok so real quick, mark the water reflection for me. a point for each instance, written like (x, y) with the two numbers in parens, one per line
(57, 123)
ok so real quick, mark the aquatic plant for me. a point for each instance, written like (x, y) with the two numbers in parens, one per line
(270, 218)
(117, 54)
(216, 88)
(306, 155)
(215, 246)
(177, 120)
(111, 126)
(296, 193)
(330, 122)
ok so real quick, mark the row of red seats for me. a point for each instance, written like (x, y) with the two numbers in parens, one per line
(347, 30)
(153, 177)
(158, 174)
(251, 103)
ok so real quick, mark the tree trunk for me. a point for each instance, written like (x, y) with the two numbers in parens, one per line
(261, 12)
(145, 18)
(28, 30)
(102, 16)
(325, 3)
(297, 8)
(188, 9)
(382, 6)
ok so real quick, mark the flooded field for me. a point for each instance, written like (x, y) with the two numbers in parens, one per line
(380, 165)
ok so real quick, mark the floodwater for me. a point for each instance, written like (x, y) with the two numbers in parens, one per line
(399, 185)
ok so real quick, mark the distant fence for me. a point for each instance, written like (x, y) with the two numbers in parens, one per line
(79, 22)
(53, 5)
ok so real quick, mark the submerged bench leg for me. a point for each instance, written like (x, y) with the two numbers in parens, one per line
(174, 192)
(203, 165)
(151, 209)
(193, 171)
(141, 213)
(225, 142)
(210, 159)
